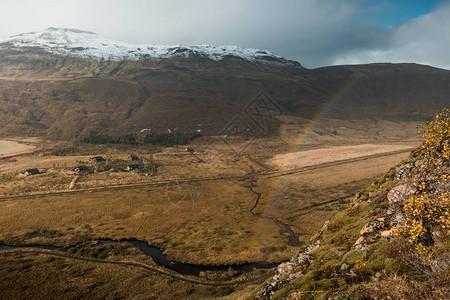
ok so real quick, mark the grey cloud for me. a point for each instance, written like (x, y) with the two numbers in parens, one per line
(314, 32)
(423, 40)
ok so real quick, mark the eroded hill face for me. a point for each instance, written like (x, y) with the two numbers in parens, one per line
(66, 96)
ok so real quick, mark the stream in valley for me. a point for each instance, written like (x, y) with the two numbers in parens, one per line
(159, 257)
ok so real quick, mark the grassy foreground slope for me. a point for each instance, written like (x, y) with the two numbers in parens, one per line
(391, 243)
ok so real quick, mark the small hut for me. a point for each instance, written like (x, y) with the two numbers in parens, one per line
(31, 172)
(98, 159)
(83, 169)
(133, 158)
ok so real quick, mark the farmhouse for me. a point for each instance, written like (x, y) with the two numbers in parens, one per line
(31, 172)
(98, 159)
(134, 167)
(83, 168)
(133, 158)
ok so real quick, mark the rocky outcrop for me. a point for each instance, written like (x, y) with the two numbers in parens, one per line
(292, 269)
(405, 184)
(388, 215)
(412, 203)
(383, 228)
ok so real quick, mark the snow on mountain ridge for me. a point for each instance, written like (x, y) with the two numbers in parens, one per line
(65, 41)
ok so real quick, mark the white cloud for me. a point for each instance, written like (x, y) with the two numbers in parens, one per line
(306, 30)
(424, 40)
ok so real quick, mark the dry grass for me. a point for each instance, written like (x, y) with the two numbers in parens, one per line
(205, 222)
(46, 277)
(330, 154)
(11, 148)
(399, 287)
(199, 222)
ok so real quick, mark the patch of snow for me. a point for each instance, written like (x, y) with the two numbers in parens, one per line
(65, 41)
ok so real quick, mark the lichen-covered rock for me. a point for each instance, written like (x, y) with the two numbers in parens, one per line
(387, 233)
(404, 171)
(383, 228)
(400, 193)
(286, 270)
(283, 269)
(358, 241)
(344, 267)
(268, 289)
(372, 226)
(302, 259)
(360, 247)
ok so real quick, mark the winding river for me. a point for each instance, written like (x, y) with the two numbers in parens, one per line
(186, 269)
(293, 237)
(159, 258)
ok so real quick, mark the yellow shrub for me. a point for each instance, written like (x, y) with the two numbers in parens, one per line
(428, 210)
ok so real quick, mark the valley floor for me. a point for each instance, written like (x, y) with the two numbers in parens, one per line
(197, 212)
(12, 148)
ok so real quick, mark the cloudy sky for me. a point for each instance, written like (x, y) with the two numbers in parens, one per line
(314, 32)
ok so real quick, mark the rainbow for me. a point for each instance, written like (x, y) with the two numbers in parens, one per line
(321, 114)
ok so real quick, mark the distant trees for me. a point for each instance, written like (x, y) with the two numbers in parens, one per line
(169, 139)
(159, 139)
(108, 139)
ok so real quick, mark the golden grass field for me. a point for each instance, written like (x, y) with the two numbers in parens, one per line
(198, 222)
(51, 277)
(11, 148)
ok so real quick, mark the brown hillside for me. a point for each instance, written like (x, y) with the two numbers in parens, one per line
(67, 97)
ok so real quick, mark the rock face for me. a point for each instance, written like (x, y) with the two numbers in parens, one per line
(406, 179)
(292, 269)
(383, 228)
(404, 171)
(400, 193)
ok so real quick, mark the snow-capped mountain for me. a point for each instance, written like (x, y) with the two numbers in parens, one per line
(73, 42)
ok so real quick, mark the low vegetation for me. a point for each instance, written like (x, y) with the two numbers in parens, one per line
(158, 139)
(408, 260)
(194, 222)
(52, 277)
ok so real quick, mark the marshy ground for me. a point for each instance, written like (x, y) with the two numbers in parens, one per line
(199, 213)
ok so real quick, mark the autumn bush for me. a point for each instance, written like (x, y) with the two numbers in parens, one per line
(427, 211)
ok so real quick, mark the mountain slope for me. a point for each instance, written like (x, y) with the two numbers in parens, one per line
(51, 80)
(84, 44)
(391, 243)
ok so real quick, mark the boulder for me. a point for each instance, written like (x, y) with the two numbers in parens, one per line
(302, 259)
(403, 171)
(387, 233)
(400, 193)
(358, 241)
